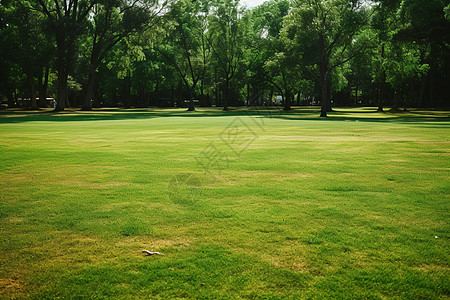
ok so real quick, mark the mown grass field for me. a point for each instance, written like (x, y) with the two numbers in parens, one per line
(260, 205)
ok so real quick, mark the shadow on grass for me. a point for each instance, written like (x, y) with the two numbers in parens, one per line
(366, 114)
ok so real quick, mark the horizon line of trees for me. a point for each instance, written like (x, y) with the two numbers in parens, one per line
(140, 53)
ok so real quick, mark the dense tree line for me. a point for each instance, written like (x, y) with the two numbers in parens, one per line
(93, 53)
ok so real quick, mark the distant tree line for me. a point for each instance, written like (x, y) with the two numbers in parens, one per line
(140, 53)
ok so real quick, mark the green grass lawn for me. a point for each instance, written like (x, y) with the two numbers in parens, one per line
(260, 205)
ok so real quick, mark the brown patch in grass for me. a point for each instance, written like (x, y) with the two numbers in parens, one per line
(94, 167)
(68, 175)
(441, 169)
(290, 255)
(181, 159)
(433, 153)
(61, 248)
(289, 261)
(18, 178)
(433, 268)
(92, 184)
(273, 174)
(16, 220)
(9, 188)
(139, 243)
(10, 285)
(303, 175)
(428, 142)
(88, 140)
(338, 138)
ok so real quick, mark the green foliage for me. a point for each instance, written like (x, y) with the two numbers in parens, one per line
(447, 12)
(72, 85)
(325, 33)
(124, 57)
(403, 65)
(224, 50)
(226, 32)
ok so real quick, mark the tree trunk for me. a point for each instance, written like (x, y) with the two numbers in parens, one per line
(257, 100)
(15, 98)
(379, 99)
(172, 95)
(382, 84)
(32, 90)
(271, 95)
(325, 101)
(40, 84)
(395, 105)
(226, 92)
(422, 91)
(202, 94)
(67, 99)
(380, 96)
(287, 101)
(323, 70)
(89, 93)
(248, 94)
(329, 108)
(43, 88)
(11, 100)
(62, 90)
(65, 45)
(216, 96)
(127, 101)
(180, 95)
(431, 90)
(93, 65)
(62, 67)
(324, 108)
(191, 101)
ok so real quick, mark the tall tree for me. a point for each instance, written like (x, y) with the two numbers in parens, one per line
(112, 21)
(325, 30)
(270, 63)
(26, 44)
(186, 47)
(67, 20)
(424, 23)
(225, 37)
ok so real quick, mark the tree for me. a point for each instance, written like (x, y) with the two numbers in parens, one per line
(123, 59)
(325, 31)
(186, 47)
(25, 44)
(225, 37)
(424, 23)
(411, 35)
(112, 21)
(9, 70)
(67, 20)
(358, 73)
(402, 65)
(283, 72)
(270, 62)
(383, 22)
